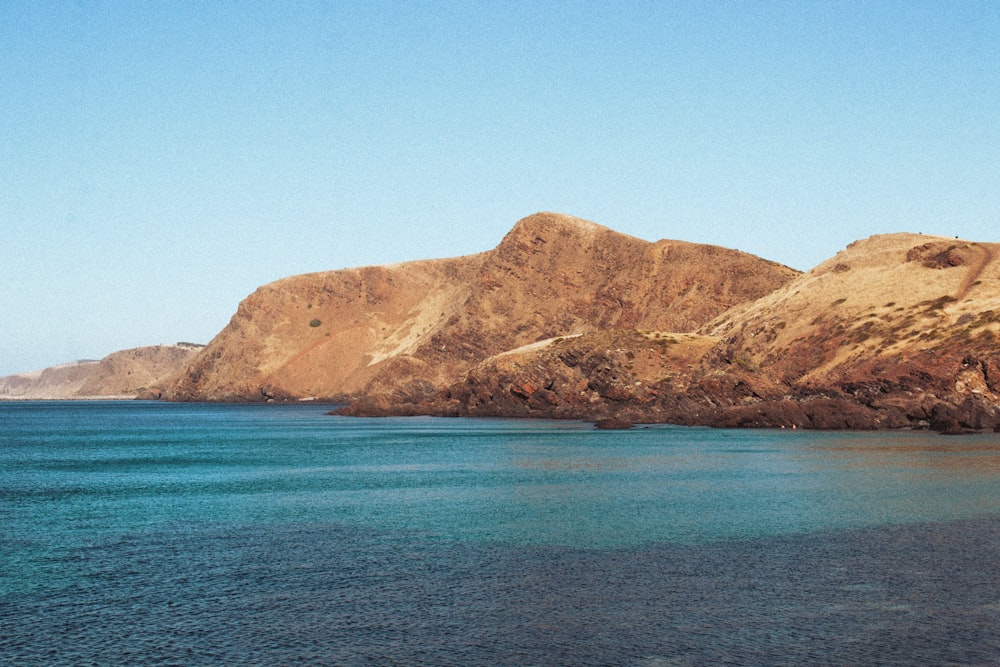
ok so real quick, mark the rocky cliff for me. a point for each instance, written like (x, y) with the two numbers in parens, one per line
(396, 336)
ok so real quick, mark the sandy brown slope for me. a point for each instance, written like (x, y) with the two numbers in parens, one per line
(136, 372)
(327, 334)
(897, 330)
(140, 371)
(900, 318)
(62, 381)
(400, 333)
(883, 309)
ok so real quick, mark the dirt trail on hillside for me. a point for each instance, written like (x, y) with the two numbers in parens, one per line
(975, 271)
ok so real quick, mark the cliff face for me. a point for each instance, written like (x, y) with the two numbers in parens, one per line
(139, 372)
(399, 334)
(895, 331)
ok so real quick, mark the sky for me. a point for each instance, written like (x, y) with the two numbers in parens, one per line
(161, 160)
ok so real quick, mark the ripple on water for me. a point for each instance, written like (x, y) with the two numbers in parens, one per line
(323, 594)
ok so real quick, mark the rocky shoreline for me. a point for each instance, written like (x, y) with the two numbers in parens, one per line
(643, 378)
(970, 414)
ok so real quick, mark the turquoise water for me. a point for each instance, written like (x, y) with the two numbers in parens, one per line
(113, 510)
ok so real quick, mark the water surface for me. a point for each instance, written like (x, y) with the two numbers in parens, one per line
(217, 534)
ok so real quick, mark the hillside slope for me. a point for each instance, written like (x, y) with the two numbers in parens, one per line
(399, 334)
(904, 324)
(896, 331)
(885, 308)
(140, 371)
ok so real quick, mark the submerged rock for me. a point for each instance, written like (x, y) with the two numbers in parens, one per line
(613, 424)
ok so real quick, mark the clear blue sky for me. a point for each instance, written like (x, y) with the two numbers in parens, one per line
(160, 160)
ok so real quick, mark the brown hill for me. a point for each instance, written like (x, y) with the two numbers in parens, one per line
(899, 323)
(129, 373)
(878, 309)
(396, 335)
(326, 334)
(895, 331)
(565, 318)
(62, 381)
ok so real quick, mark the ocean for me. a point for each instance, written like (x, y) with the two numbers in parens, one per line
(202, 534)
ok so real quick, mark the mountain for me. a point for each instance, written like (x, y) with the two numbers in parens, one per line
(126, 374)
(396, 336)
(896, 331)
(566, 318)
